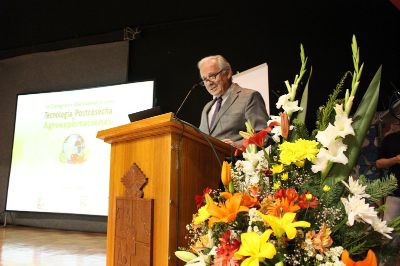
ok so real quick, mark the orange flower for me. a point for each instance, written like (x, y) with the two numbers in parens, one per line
(226, 173)
(247, 200)
(307, 200)
(284, 125)
(282, 206)
(225, 212)
(322, 240)
(370, 259)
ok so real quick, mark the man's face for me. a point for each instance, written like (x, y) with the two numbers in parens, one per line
(215, 80)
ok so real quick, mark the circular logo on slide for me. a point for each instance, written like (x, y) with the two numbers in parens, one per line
(74, 150)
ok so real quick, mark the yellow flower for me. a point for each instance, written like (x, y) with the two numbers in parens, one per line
(298, 151)
(226, 173)
(277, 168)
(284, 224)
(256, 248)
(276, 185)
(309, 196)
(285, 176)
(202, 215)
(299, 163)
(326, 188)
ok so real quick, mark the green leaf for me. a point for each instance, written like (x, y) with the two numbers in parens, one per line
(301, 116)
(361, 123)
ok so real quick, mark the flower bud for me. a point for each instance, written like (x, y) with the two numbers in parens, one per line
(226, 173)
(284, 125)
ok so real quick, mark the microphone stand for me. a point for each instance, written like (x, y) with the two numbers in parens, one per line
(184, 100)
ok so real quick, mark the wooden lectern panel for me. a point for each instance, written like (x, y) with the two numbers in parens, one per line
(178, 162)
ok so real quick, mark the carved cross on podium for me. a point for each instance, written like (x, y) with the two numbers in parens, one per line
(134, 219)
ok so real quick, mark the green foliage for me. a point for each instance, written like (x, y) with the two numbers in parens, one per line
(379, 188)
(395, 224)
(326, 113)
(332, 197)
(300, 131)
(301, 115)
(361, 122)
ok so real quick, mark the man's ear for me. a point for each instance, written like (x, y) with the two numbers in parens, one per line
(229, 72)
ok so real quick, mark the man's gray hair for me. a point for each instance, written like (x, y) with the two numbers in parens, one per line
(221, 61)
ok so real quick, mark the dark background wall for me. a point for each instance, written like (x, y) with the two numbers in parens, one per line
(175, 34)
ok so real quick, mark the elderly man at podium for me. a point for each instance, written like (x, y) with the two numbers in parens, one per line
(232, 105)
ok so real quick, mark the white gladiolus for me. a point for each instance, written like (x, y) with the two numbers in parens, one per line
(287, 105)
(343, 122)
(327, 136)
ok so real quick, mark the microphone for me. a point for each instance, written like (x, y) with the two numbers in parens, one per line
(198, 84)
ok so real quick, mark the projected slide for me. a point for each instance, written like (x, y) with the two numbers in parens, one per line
(58, 164)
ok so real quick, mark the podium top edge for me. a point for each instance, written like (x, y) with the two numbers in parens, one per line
(154, 120)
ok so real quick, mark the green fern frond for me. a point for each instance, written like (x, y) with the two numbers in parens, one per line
(380, 188)
(332, 197)
(299, 131)
(325, 113)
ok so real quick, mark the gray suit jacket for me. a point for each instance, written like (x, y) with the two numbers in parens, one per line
(242, 105)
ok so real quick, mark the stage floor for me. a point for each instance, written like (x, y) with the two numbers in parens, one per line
(29, 246)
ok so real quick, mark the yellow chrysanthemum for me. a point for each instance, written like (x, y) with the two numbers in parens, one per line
(202, 215)
(298, 151)
(326, 188)
(277, 185)
(277, 168)
(285, 176)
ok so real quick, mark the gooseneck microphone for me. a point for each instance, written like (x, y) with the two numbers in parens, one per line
(198, 84)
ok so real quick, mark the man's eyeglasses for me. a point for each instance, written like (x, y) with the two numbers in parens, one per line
(211, 77)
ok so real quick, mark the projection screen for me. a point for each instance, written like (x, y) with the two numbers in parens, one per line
(58, 165)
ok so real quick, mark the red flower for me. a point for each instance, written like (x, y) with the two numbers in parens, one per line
(307, 200)
(259, 138)
(289, 194)
(199, 199)
(226, 250)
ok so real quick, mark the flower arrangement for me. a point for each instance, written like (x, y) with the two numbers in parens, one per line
(291, 199)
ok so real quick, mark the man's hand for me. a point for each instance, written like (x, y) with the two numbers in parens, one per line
(237, 144)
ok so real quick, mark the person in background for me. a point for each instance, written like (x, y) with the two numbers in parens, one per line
(389, 158)
(232, 105)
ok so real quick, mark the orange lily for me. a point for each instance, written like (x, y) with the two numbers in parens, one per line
(225, 212)
(284, 125)
(226, 173)
(282, 206)
(370, 259)
(247, 200)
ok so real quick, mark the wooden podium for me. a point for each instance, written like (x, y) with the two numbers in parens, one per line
(178, 162)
